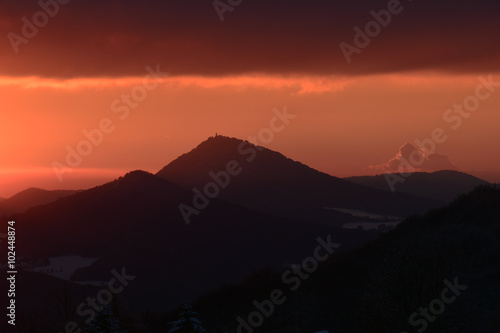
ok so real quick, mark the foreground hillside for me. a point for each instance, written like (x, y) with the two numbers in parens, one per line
(134, 224)
(436, 273)
(381, 286)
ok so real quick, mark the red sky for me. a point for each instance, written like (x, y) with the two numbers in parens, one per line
(227, 77)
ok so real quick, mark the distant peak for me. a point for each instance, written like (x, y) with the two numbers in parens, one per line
(30, 190)
(222, 138)
(34, 189)
(137, 174)
(136, 179)
(217, 142)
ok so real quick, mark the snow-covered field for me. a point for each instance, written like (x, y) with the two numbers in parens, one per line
(64, 267)
(370, 225)
(360, 213)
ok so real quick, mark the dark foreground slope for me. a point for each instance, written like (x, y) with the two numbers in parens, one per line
(389, 282)
(129, 223)
(134, 223)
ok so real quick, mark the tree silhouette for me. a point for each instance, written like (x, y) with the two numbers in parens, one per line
(104, 322)
(187, 322)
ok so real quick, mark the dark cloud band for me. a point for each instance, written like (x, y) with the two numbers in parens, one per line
(118, 38)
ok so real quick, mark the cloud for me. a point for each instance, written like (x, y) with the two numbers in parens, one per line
(413, 159)
(119, 38)
(295, 84)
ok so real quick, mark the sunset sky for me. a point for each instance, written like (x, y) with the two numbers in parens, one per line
(228, 76)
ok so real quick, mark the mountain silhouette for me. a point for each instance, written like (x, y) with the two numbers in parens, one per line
(277, 185)
(31, 197)
(268, 214)
(134, 222)
(445, 185)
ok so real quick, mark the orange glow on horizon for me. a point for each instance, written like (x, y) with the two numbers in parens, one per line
(343, 126)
